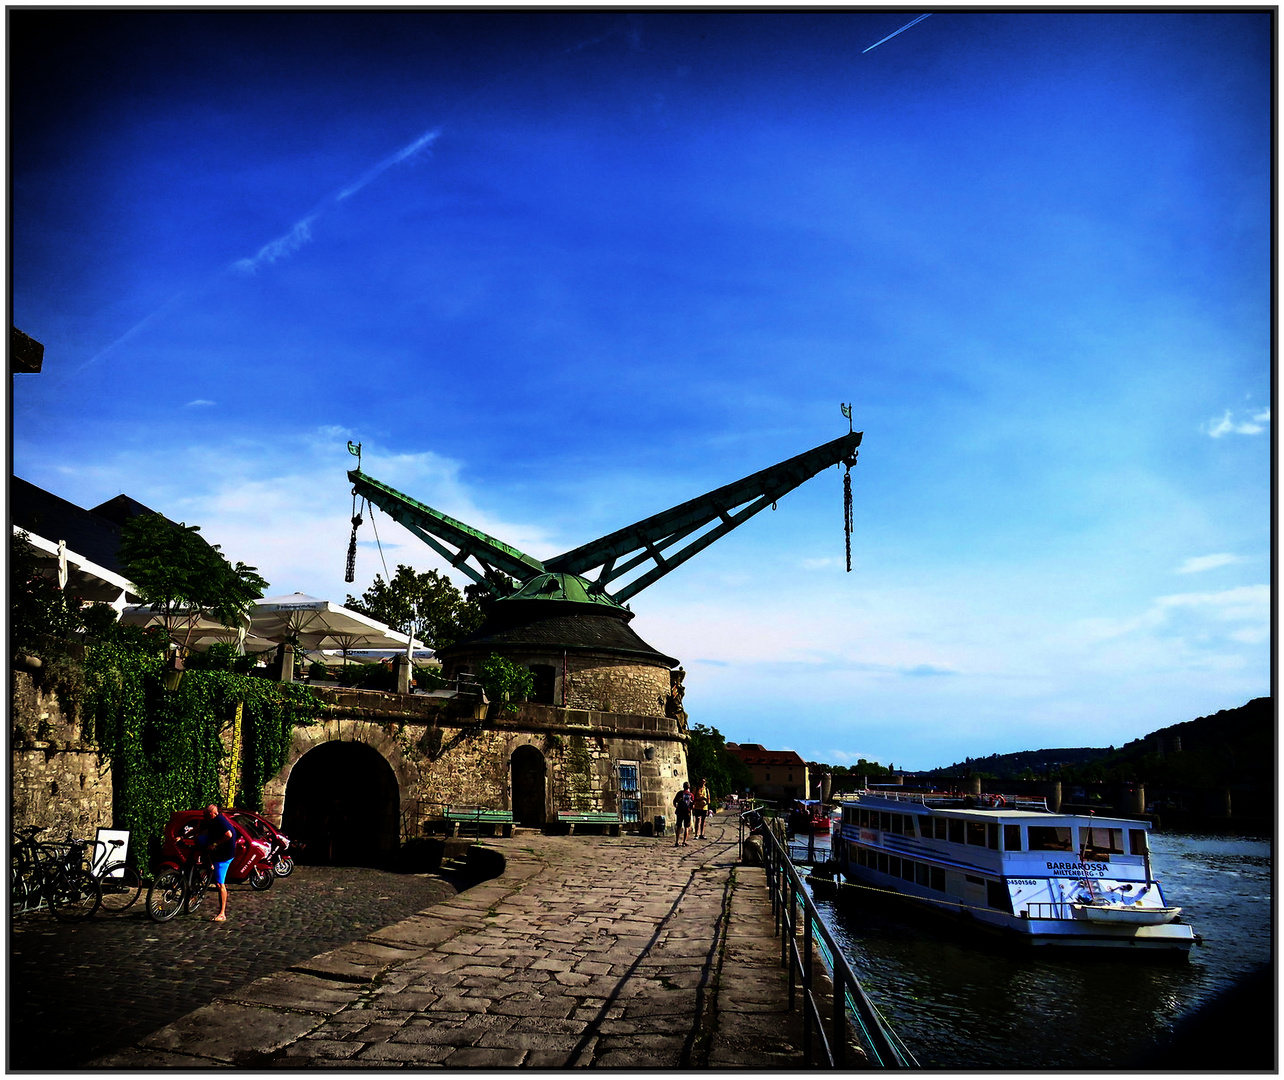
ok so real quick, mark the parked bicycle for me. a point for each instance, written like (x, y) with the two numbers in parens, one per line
(65, 875)
(178, 889)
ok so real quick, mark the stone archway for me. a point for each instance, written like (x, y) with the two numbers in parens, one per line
(342, 802)
(529, 776)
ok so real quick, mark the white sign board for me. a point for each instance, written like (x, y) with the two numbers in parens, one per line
(108, 851)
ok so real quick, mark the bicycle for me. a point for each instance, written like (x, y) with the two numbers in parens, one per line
(179, 889)
(63, 876)
(119, 883)
(32, 868)
(74, 892)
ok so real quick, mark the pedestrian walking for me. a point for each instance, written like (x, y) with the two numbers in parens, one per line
(700, 808)
(682, 803)
(218, 837)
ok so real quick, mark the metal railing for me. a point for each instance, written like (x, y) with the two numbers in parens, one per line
(804, 935)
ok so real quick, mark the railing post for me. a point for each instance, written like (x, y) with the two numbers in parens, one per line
(806, 982)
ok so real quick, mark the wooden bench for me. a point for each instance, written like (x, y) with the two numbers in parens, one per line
(477, 816)
(603, 818)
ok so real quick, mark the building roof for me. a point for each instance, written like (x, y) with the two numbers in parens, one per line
(756, 754)
(41, 513)
(552, 626)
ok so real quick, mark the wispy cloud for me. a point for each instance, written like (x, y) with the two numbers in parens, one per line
(280, 247)
(1230, 424)
(199, 403)
(1199, 563)
(408, 151)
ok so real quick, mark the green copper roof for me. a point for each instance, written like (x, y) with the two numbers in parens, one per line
(569, 588)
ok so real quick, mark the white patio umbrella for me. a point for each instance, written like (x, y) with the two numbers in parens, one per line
(320, 624)
(192, 629)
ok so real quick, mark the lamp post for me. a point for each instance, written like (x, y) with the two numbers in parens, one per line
(172, 674)
(481, 705)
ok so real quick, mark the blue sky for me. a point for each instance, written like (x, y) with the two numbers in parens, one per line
(559, 271)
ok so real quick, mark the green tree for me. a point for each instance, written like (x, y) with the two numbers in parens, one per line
(709, 759)
(183, 576)
(427, 605)
(505, 682)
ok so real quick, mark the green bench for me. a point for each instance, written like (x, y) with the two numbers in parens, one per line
(603, 818)
(477, 816)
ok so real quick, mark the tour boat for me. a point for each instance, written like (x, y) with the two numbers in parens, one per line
(1011, 865)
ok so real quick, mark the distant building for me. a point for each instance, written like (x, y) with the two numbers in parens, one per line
(777, 774)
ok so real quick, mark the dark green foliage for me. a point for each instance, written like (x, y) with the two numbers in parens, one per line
(427, 604)
(178, 573)
(709, 759)
(165, 746)
(505, 682)
(43, 621)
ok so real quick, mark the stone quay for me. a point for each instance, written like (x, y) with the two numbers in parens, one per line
(621, 951)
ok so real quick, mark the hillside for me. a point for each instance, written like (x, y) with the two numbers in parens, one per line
(1232, 746)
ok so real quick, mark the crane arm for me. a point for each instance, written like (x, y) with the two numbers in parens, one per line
(441, 532)
(733, 504)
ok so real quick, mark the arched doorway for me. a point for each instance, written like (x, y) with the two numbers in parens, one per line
(528, 774)
(342, 803)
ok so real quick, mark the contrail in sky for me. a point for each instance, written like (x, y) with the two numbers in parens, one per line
(300, 233)
(895, 32)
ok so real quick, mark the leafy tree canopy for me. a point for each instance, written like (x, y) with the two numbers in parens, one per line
(427, 605)
(183, 576)
(505, 682)
(709, 759)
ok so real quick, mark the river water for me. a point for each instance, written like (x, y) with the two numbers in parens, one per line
(961, 1000)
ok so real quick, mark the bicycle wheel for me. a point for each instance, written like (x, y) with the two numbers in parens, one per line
(74, 894)
(165, 896)
(19, 888)
(202, 880)
(120, 885)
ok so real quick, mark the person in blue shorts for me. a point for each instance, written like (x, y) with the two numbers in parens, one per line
(218, 837)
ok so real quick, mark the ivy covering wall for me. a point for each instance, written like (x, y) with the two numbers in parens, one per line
(166, 747)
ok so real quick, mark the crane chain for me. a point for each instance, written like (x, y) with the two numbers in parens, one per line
(847, 515)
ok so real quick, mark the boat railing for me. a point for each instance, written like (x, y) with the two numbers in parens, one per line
(802, 934)
(948, 800)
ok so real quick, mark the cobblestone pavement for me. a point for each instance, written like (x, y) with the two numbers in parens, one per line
(80, 990)
(586, 950)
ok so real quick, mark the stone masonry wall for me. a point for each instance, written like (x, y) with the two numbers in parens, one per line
(598, 682)
(444, 759)
(60, 780)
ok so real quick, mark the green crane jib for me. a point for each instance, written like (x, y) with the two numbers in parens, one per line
(624, 550)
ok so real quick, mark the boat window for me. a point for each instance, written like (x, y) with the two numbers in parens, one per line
(956, 832)
(1011, 837)
(992, 836)
(896, 823)
(976, 833)
(894, 865)
(886, 823)
(1099, 843)
(921, 875)
(907, 869)
(1137, 841)
(882, 862)
(864, 819)
(938, 828)
(937, 878)
(1050, 838)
